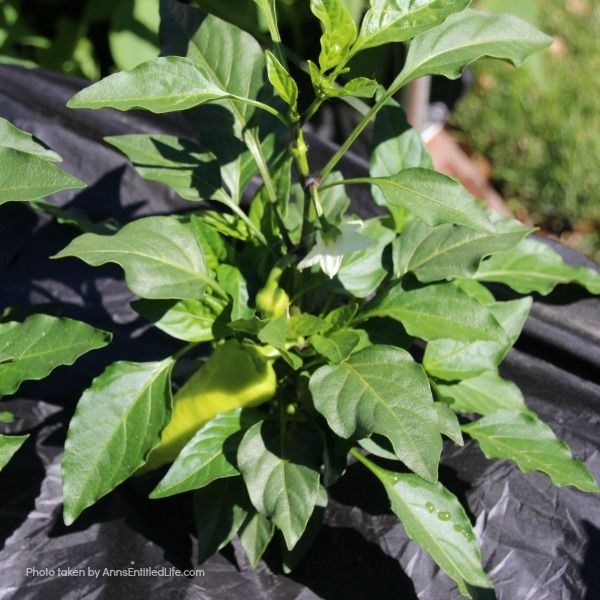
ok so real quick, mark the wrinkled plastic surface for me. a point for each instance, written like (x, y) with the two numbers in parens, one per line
(539, 542)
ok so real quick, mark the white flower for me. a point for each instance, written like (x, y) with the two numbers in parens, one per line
(333, 245)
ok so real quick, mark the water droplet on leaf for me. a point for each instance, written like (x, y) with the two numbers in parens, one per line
(444, 516)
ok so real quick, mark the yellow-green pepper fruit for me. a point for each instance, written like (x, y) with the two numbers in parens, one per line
(271, 300)
(235, 375)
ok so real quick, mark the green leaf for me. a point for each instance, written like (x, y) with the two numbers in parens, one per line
(13, 137)
(255, 534)
(219, 510)
(182, 165)
(362, 270)
(165, 84)
(281, 471)
(159, 255)
(283, 83)
(446, 251)
(448, 423)
(31, 350)
(381, 389)
(291, 558)
(188, 32)
(9, 444)
(434, 518)
(118, 420)
(484, 394)
(188, 320)
(434, 198)
(208, 456)
(305, 325)
(216, 249)
(232, 281)
(465, 37)
(201, 39)
(336, 347)
(528, 442)
(360, 87)
(400, 20)
(25, 177)
(533, 266)
(450, 360)
(437, 311)
(339, 31)
(395, 147)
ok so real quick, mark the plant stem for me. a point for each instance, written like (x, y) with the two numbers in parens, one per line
(185, 350)
(253, 144)
(341, 151)
(265, 107)
(211, 283)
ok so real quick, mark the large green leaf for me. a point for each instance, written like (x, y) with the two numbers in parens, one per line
(396, 146)
(434, 518)
(186, 31)
(118, 420)
(34, 348)
(400, 20)
(13, 137)
(452, 360)
(484, 394)
(445, 251)
(25, 176)
(437, 311)
(182, 165)
(219, 510)
(208, 456)
(467, 36)
(381, 389)
(159, 255)
(533, 266)
(9, 444)
(165, 84)
(339, 31)
(435, 198)
(528, 442)
(280, 468)
(189, 320)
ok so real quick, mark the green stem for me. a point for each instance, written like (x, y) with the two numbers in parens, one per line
(224, 198)
(270, 11)
(354, 180)
(185, 350)
(341, 151)
(265, 107)
(359, 456)
(211, 283)
(312, 109)
(255, 148)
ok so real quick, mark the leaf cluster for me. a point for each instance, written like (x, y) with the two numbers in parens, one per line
(284, 270)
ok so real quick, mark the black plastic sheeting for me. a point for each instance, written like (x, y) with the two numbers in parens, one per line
(539, 542)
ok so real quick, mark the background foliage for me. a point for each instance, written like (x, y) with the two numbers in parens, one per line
(542, 139)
